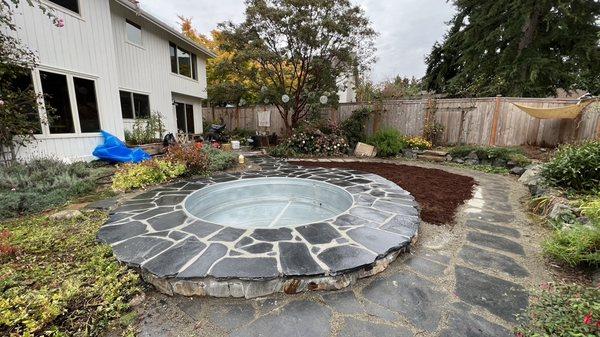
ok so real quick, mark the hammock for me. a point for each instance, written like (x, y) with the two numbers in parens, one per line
(566, 112)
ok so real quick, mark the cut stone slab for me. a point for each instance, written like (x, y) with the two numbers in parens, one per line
(296, 260)
(168, 220)
(201, 229)
(171, 260)
(342, 258)
(496, 242)
(370, 214)
(494, 229)
(201, 266)
(318, 233)
(493, 261)
(378, 241)
(153, 212)
(502, 298)
(425, 267)
(464, 324)
(411, 296)
(268, 235)
(343, 302)
(493, 217)
(116, 233)
(356, 328)
(296, 319)
(103, 205)
(228, 234)
(140, 248)
(232, 316)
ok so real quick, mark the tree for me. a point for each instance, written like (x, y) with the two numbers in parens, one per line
(398, 88)
(296, 50)
(226, 85)
(518, 48)
(19, 119)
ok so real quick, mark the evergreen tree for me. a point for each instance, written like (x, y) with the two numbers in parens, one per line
(527, 48)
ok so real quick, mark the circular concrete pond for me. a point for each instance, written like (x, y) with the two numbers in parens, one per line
(282, 229)
(268, 202)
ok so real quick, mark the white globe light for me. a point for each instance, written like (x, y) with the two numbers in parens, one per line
(323, 99)
(285, 98)
(242, 102)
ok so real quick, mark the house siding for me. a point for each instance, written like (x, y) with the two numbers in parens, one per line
(93, 45)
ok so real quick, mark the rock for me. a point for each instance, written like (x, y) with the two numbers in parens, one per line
(559, 210)
(532, 179)
(137, 300)
(472, 155)
(66, 214)
(408, 153)
(517, 170)
(510, 164)
(499, 162)
(472, 162)
(458, 160)
(583, 219)
(596, 277)
(448, 157)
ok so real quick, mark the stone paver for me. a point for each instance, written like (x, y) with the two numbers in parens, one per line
(470, 283)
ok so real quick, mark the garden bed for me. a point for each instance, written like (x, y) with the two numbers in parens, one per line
(438, 192)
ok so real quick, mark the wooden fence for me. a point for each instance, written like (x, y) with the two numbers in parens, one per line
(483, 121)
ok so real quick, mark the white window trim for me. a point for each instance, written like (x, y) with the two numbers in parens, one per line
(37, 86)
(141, 35)
(64, 10)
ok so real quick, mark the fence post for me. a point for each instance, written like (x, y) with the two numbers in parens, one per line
(495, 119)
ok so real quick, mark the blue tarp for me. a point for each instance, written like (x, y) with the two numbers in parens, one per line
(115, 151)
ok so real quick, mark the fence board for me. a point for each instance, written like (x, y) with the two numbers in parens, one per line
(465, 121)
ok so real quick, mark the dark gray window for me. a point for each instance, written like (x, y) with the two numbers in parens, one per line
(183, 62)
(72, 5)
(22, 85)
(134, 105)
(87, 105)
(134, 32)
(58, 104)
(185, 117)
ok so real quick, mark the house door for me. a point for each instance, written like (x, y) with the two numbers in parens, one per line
(185, 117)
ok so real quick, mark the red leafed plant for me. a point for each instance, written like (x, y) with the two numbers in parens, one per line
(6, 249)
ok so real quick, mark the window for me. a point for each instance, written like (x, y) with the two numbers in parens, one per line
(133, 32)
(22, 86)
(72, 5)
(58, 103)
(185, 117)
(183, 62)
(134, 105)
(87, 106)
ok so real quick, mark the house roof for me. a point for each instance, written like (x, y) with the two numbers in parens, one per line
(132, 6)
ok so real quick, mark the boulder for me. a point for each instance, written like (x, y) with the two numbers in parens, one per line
(510, 164)
(517, 170)
(532, 179)
(472, 161)
(560, 209)
(448, 157)
(499, 162)
(66, 214)
(472, 155)
(458, 160)
(408, 153)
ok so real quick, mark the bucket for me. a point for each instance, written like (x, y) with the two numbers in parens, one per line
(235, 144)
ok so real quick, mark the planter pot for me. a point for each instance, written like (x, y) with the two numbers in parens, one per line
(153, 149)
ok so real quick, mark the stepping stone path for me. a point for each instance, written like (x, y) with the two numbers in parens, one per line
(473, 284)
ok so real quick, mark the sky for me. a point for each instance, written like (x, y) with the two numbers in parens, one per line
(407, 28)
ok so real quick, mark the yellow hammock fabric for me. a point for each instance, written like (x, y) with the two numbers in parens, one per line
(566, 112)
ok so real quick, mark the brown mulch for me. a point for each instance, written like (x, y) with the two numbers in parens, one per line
(438, 192)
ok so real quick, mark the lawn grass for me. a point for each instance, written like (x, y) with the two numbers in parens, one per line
(55, 279)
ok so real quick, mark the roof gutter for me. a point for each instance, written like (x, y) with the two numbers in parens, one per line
(160, 24)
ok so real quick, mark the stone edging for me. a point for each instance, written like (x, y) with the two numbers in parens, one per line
(184, 255)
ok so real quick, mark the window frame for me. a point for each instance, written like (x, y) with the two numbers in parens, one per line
(193, 62)
(56, 6)
(131, 94)
(37, 84)
(135, 25)
(185, 106)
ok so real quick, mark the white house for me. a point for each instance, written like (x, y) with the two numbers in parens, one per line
(109, 64)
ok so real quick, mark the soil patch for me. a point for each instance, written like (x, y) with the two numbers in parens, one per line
(438, 192)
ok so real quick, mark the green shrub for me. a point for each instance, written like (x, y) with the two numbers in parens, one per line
(353, 128)
(59, 281)
(219, 160)
(575, 167)
(150, 172)
(389, 142)
(242, 135)
(562, 310)
(575, 245)
(147, 130)
(282, 150)
(195, 160)
(39, 185)
(591, 209)
(489, 153)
